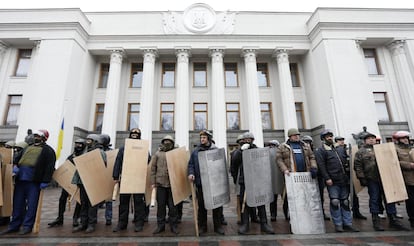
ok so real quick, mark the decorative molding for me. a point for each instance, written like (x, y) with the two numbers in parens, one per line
(249, 55)
(397, 47)
(358, 43)
(117, 55)
(150, 55)
(3, 47)
(216, 55)
(198, 18)
(282, 55)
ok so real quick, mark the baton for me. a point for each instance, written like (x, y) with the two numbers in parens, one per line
(36, 226)
(195, 208)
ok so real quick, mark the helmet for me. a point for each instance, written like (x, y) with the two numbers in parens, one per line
(105, 139)
(80, 140)
(293, 131)
(307, 139)
(368, 134)
(248, 135)
(206, 133)
(94, 137)
(400, 134)
(135, 131)
(274, 142)
(325, 133)
(42, 133)
(338, 138)
(239, 138)
(21, 145)
(10, 144)
(167, 137)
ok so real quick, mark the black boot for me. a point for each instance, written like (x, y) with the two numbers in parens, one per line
(219, 229)
(244, 228)
(174, 229)
(266, 228)
(376, 223)
(57, 222)
(160, 228)
(396, 224)
(358, 215)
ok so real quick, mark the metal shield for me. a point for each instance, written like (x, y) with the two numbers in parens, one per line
(257, 177)
(214, 178)
(305, 206)
(278, 181)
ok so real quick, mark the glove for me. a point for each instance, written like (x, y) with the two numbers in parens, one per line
(16, 170)
(43, 185)
(245, 146)
(314, 172)
(363, 181)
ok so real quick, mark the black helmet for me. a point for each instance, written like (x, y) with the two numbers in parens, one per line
(338, 138)
(135, 131)
(105, 139)
(325, 133)
(365, 135)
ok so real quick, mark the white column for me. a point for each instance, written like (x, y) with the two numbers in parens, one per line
(182, 101)
(3, 49)
(253, 99)
(147, 94)
(404, 78)
(218, 104)
(110, 116)
(286, 91)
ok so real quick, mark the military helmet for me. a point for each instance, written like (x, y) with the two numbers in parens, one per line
(325, 133)
(93, 137)
(21, 145)
(400, 134)
(206, 133)
(105, 138)
(339, 138)
(10, 144)
(274, 142)
(248, 135)
(293, 131)
(167, 137)
(307, 139)
(365, 135)
(239, 138)
(80, 140)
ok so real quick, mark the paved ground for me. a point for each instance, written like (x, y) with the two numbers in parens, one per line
(104, 236)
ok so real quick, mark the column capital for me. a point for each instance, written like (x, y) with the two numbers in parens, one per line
(397, 47)
(182, 53)
(150, 54)
(216, 54)
(117, 54)
(249, 54)
(3, 47)
(281, 55)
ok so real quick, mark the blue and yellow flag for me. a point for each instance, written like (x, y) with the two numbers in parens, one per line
(60, 139)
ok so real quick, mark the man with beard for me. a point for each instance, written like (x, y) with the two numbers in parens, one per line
(78, 150)
(336, 179)
(195, 177)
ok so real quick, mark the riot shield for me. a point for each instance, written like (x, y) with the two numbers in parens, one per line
(63, 176)
(134, 167)
(305, 208)
(390, 172)
(214, 178)
(257, 177)
(278, 182)
(8, 187)
(177, 162)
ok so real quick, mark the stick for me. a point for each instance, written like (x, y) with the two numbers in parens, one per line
(36, 226)
(153, 197)
(238, 209)
(115, 193)
(74, 194)
(244, 202)
(195, 208)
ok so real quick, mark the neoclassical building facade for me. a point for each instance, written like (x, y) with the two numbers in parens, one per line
(178, 72)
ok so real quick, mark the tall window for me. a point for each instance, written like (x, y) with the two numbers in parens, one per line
(133, 115)
(262, 75)
(23, 62)
(266, 112)
(103, 75)
(13, 110)
(200, 116)
(371, 60)
(233, 116)
(300, 115)
(136, 75)
(294, 74)
(200, 74)
(230, 72)
(99, 113)
(168, 74)
(381, 104)
(167, 117)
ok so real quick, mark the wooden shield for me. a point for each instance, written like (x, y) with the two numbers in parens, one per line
(148, 187)
(390, 172)
(177, 162)
(6, 209)
(1, 187)
(6, 154)
(134, 167)
(63, 175)
(305, 206)
(358, 187)
(110, 162)
(92, 170)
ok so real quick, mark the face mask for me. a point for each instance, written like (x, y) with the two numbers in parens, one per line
(37, 140)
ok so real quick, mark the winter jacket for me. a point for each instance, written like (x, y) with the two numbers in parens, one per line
(159, 169)
(236, 166)
(330, 165)
(194, 164)
(286, 161)
(365, 164)
(403, 152)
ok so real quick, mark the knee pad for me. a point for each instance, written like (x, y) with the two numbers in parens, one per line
(345, 205)
(335, 203)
